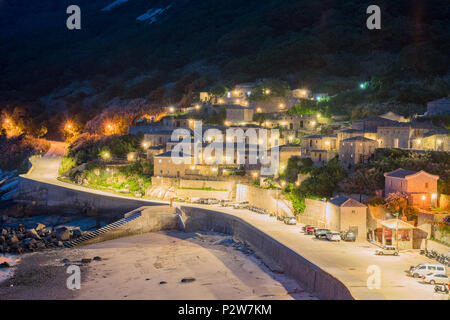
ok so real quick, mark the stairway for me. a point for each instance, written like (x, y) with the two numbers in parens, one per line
(96, 233)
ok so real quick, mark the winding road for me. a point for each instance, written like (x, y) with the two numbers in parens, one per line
(348, 262)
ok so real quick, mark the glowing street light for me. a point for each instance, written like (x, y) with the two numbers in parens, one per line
(145, 145)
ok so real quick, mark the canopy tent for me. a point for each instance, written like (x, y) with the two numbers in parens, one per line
(396, 224)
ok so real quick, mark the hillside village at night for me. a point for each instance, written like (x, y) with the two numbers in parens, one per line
(221, 177)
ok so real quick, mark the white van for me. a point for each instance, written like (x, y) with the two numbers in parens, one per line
(423, 269)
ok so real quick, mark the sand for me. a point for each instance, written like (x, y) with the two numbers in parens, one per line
(152, 266)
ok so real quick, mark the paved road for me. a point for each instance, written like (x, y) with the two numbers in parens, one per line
(47, 167)
(346, 261)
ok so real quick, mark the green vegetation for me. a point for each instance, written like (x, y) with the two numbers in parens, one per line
(269, 88)
(132, 178)
(88, 148)
(311, 107)
(321, 183)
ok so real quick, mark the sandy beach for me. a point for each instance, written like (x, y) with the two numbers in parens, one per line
(157, 266)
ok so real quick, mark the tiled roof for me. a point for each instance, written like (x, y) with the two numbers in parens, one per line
(343, 201)
(400, 173)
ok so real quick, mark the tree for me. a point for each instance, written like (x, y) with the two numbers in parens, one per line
(398, 203)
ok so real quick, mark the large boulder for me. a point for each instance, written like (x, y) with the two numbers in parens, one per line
(63, 234)
(29, 242)
(13, 239)
(32, 233)
(39, 227)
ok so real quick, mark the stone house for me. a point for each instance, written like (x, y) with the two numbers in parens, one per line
(239, 114)
(371, 123)
(351, 133)
(165, 165)
(339, 214)
(157, 138)
(356, 150)
(320, 148)
(395, 136)
(348, 214)
(433, 141)
(286, 152)
(421, 187)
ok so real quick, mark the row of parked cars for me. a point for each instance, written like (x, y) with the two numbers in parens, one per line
(328, 234)
(435, 274)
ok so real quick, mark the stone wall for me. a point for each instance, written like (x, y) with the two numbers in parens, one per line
(314, 213)
(60, 199)
(313, 278)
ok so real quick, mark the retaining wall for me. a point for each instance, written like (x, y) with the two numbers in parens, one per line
(61, 199)
(313, 278)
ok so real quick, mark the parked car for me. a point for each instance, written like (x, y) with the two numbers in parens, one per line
(321, 233)
(310, 230)
(212, 201)
(258, 210)
(436, 278)
(424, 269)
(226, 203)
(333, 236)
(292, 221)
(280, 218)
(348, 236)
(305, 227)
(241, 205)
(386, 251)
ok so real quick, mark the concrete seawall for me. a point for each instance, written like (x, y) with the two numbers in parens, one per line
(58, 198)
(313, 278)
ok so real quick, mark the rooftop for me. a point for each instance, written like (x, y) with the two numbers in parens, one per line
(400, 173)
(358, 139)
(343, 201)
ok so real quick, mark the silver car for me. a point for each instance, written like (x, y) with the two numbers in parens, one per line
(436, 278)
(387, 251)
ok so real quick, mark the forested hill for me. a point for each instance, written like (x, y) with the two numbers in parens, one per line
(132, 48)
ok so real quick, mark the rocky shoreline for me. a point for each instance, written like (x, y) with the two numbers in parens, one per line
(21, 240)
